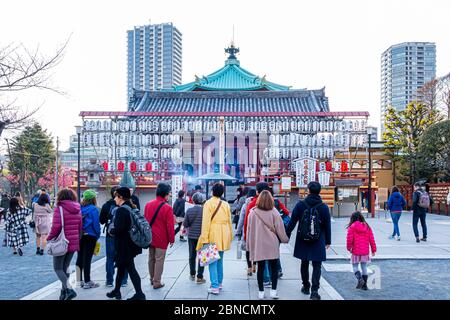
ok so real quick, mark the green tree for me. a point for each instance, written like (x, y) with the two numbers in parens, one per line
(32, 156)
(403, 130)
(434, 153)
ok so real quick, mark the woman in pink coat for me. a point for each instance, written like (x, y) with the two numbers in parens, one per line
(265, 232)
(67, 200)
(359, 238)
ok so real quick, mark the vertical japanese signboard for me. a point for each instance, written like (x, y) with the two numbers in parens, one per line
(305, 171)
(177, 185)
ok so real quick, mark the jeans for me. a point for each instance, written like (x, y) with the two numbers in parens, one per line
(395, 218)
(268, 272)
(110, 255)
(192, 259)
(84, 256)
(216, 272)
(262, 266)
(317, 270)
(423, 223)
(134, 276)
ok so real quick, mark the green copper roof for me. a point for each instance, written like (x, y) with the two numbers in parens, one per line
(232, 77)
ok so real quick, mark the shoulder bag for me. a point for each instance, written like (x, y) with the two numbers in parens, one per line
(209, 252)
(58, 246)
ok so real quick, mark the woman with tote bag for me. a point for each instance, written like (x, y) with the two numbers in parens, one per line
(66, 219)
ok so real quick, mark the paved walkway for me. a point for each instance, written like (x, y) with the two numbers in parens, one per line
(238, 286)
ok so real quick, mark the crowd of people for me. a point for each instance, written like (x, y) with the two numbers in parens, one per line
(261, 223)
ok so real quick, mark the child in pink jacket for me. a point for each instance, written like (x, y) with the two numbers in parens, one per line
(359, 237)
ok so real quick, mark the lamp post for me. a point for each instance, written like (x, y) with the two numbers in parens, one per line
(369, 190)
(79, 128)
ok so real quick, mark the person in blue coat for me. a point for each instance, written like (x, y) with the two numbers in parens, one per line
(311, 251)
(90, 235)
(396, 203)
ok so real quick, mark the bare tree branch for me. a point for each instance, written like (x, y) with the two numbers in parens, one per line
(22, 69)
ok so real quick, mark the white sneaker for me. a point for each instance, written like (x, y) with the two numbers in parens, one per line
(79, 284)
(273, 294)
(398, 239)
(260, 295)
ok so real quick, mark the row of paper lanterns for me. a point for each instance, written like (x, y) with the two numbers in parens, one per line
(295, 139)
(275, 125)
(124, 139)
(285, 153)
(146, 153)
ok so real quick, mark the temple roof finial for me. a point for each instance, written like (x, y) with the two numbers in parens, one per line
(232, 50)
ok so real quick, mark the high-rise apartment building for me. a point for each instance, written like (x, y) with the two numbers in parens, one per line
(405, 67)
(154, 57)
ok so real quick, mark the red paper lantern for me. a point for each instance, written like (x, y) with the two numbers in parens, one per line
(328, 166)
(148, 166)
(133, 166)
(344, 166)
(105, 166)
(121, 166)
(317, 166)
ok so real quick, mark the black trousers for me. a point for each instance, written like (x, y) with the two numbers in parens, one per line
(423, 223)
(133, 274)
(84, 256)
(193, 257)
(178, 228)
(273, 270)
(317, 270)
(247, 257)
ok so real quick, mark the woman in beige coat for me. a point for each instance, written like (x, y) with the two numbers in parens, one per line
(42, 216)
(265, 231)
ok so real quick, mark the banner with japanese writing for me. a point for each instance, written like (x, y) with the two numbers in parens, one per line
(305, 169)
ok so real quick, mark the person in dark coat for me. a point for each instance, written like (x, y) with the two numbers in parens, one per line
(193, 222)
(419, 213)
(126, 249)
(178, 211)
(396, 203)
(311, 251)
(106, 217)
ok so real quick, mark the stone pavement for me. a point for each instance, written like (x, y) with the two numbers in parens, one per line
(437, 246)
(238, 286)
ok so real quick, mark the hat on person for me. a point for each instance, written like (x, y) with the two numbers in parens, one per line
(89, 194)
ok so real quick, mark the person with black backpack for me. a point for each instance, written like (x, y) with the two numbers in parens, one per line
(420, 205)
(313, 237)
(126, 248)
(106, 218)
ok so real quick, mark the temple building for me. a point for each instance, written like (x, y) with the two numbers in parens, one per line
(231, 122)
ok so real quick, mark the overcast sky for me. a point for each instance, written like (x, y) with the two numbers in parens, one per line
(304, 44)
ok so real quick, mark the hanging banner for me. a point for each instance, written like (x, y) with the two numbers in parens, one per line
(177, 185)
(305, 169)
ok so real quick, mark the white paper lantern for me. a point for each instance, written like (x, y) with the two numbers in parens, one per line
(315, 126)
(279, 126)
(330, 126)
(155, 139)
(286, 125)
(329, 153)
(300, 126)
(322, 126)
(293, 126)
(264, 126)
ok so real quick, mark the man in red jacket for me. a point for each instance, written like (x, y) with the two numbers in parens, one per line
(162, 232)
